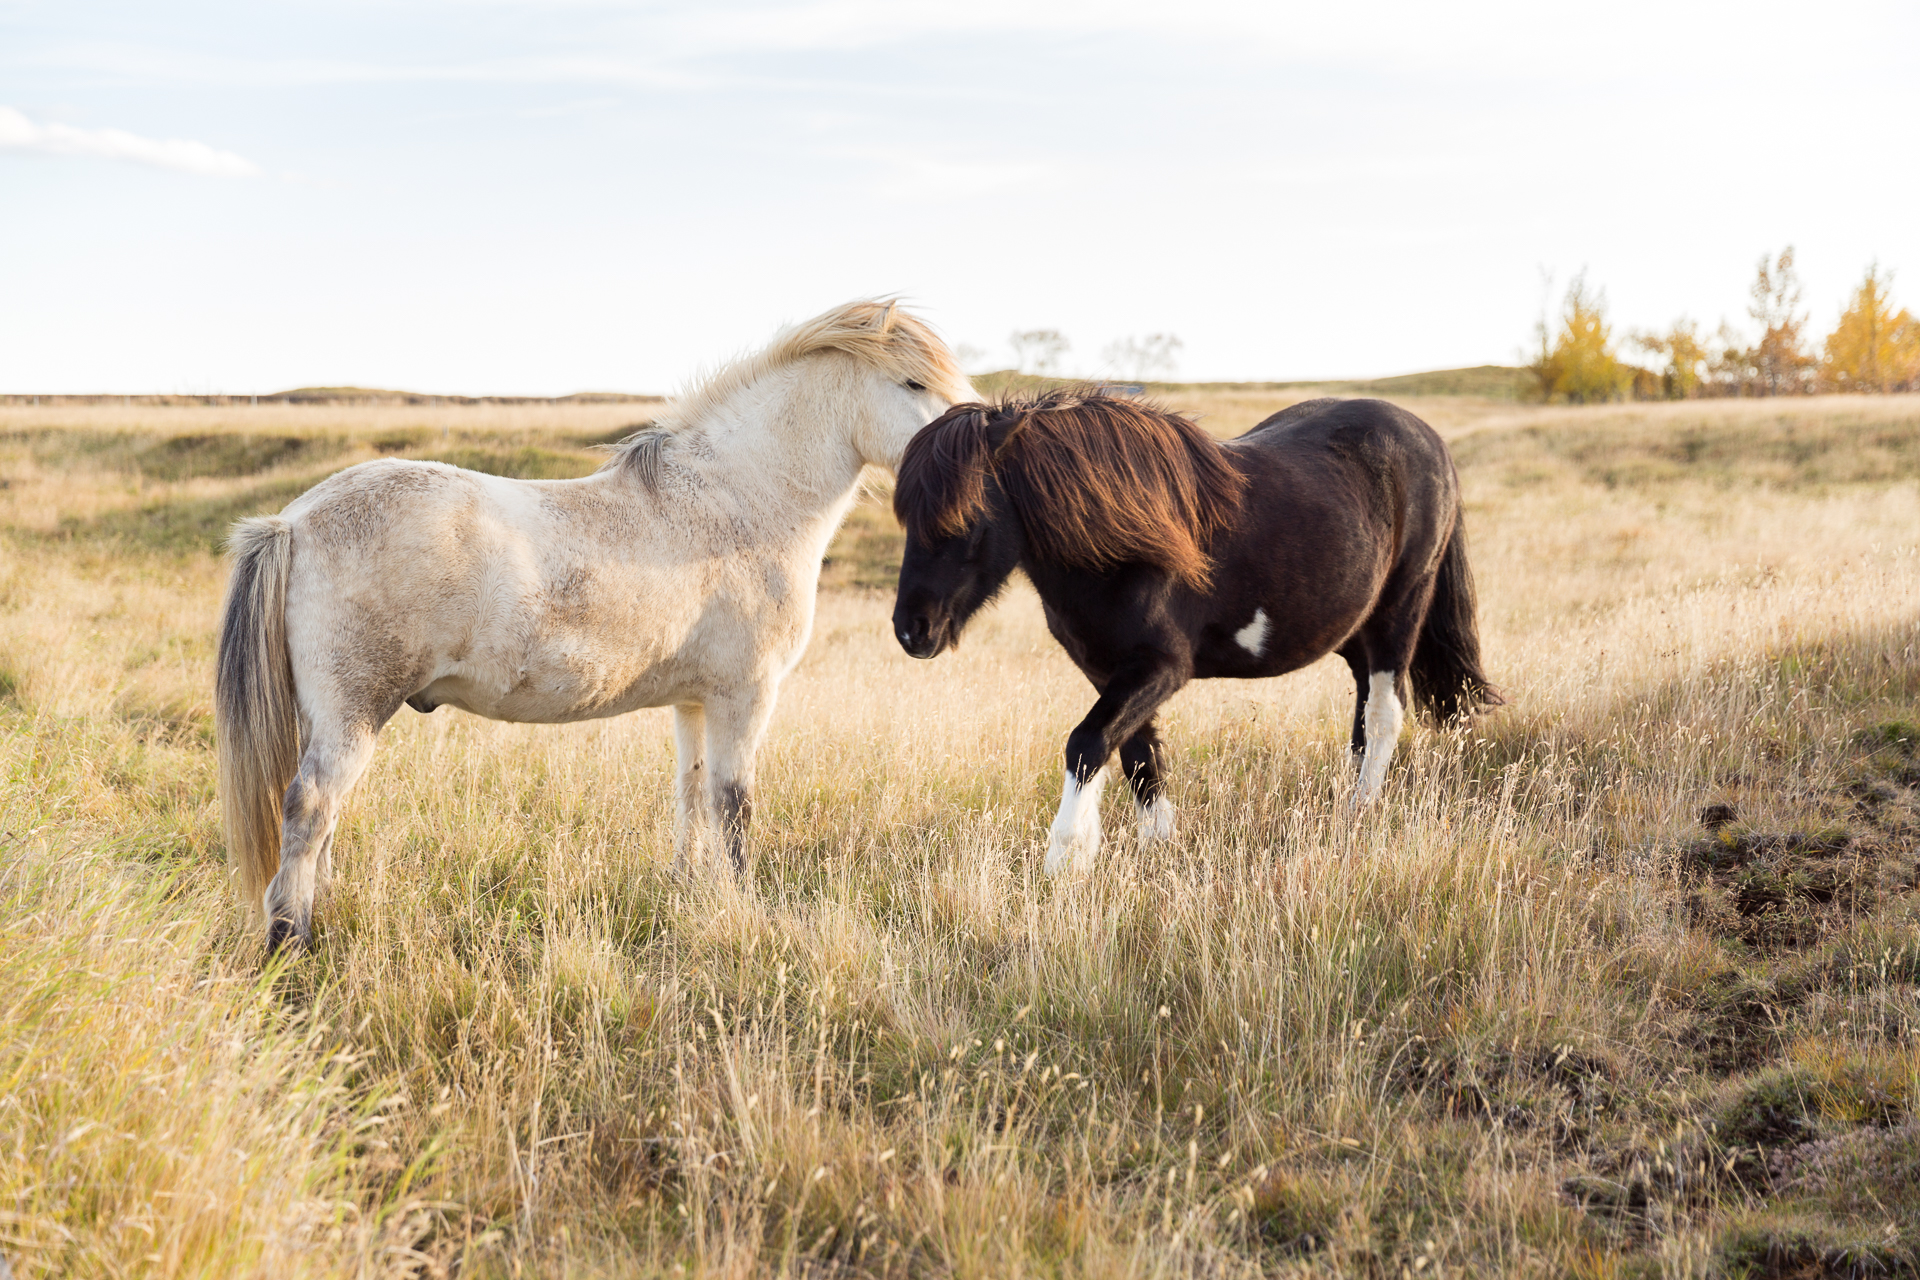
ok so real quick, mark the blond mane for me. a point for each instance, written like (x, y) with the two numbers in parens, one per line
(873, 330)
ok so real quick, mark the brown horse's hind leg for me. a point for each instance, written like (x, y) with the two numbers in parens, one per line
(329, 767)
(1385, 650)
(1356, 656)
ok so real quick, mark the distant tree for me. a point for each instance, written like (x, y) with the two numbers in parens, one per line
(1575, 361)
(1682, 352)
(1729, 366)
(1874, 347)
(1140, 359)
(1781, 363)
(1039, 351)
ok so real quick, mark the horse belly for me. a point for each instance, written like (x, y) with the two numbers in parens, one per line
(561, 686)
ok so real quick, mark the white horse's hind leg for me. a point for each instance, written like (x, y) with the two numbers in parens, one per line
(691, 816)
(1383, 720)
(1075, 837)
(735, 726)
(329, 767)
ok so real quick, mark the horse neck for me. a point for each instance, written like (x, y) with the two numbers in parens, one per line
(778, 449)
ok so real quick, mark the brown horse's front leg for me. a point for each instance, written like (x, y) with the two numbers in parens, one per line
(1142, 761)
(1126, 706)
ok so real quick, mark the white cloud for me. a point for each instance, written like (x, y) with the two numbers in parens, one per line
(17, 133)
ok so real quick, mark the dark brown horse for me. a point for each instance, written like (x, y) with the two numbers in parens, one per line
(1162, 556)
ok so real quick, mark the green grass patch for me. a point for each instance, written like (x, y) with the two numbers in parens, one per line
(191, 526)
(528, 462)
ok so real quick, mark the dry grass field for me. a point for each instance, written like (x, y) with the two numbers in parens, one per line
(1530, 1017)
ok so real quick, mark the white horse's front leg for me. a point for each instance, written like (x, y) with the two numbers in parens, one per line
(690, 814)
(1075, 837)
(735, 726)
(1383, 720)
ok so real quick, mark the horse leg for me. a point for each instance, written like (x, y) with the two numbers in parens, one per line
(1387, 639)
(1384, 713)
(333, 761)
(735, 726)
(1356, 655)
(690, 813)
(1126, 704)
(1074, 838)
(1140, 760)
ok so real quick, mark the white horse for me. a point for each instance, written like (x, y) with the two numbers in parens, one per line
(681, 573)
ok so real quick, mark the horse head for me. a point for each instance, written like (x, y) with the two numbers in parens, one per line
(963, 536)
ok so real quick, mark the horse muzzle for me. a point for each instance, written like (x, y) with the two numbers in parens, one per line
(920, 635)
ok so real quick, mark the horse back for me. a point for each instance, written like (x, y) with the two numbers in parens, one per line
(1374, 451)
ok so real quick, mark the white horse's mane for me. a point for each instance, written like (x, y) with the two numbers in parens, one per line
(872, 330)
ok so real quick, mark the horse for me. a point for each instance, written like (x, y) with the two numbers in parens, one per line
(1163, 556)
(681, 573)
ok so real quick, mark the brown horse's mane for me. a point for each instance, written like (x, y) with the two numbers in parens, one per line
(1096, 480)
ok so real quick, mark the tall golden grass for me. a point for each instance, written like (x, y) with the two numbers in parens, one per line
(1527, 1018)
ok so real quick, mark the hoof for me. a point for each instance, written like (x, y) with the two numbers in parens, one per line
(1074, 848)
(1156, 821)
(1074, 838)
(283, 936)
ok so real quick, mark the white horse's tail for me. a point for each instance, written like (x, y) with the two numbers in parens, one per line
(256, 720)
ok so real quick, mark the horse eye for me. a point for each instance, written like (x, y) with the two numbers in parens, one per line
(915, 386)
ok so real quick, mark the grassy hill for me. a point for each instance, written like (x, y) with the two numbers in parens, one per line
(1487, 381)
(1619, 981)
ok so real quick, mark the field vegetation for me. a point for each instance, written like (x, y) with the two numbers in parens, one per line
(1622, 980)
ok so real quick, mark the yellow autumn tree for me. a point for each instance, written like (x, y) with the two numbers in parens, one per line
(1575, 362)
(1683, 352)
(1874, 347)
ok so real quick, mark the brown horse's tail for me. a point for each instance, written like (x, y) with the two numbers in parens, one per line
(256, 721)
(1448, 683)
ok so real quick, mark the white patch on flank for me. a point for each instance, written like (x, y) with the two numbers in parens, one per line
(1383, 719)
(1156, 820)
(1075, 836)
(1253, 636)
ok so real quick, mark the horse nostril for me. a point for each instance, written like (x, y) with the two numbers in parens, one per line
(914, 634)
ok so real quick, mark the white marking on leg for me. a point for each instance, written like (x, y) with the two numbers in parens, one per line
(1253, 636)
(1383, 720)
(1156, 820)
(1075, 837)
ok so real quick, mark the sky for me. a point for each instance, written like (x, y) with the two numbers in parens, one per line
(538, 198)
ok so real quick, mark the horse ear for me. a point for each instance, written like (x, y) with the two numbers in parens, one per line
(887, 316)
